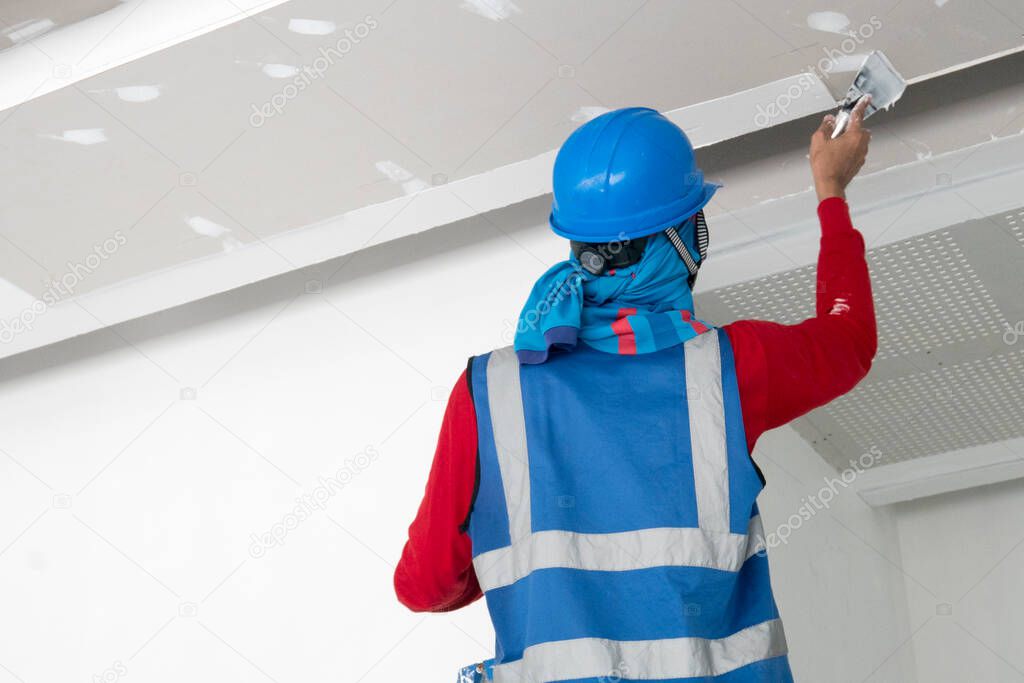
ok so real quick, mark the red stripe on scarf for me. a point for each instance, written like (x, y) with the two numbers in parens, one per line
(624, 331)
(698, 326)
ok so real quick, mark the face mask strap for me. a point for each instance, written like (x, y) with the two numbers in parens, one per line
(702, 239)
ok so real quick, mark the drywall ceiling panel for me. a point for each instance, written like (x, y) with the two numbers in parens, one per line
(949, 373)
(429, 69)
(922, 37)
(683, 59)
(432, 94)
(1011, 9)
(81, 174)
(953, 33)
(570, 31)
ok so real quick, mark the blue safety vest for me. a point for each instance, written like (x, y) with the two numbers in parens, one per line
(615, 531)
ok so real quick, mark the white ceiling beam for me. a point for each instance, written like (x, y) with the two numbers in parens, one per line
(943, 473)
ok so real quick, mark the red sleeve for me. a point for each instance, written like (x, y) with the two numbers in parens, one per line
(784, 371)
(435, 573)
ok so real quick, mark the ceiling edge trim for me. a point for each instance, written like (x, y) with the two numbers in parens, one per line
(953, 471)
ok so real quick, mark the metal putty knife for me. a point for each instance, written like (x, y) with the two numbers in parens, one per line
(877, 77)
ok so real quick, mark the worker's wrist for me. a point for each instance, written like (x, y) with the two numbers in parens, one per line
(834, 214)
(828, 190)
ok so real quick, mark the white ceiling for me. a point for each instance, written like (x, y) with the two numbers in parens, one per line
(427, 95)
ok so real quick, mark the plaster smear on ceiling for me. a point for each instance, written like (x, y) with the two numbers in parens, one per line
(584, 114)
(312, 27)
(27, 30)
(24, 20)
(80, 136)
(280, 70)
(137, 93)
(830, 22)
(207, 228)
(403, 177)
(495, 10)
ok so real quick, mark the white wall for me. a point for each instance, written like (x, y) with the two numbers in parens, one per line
(127, 510)
(964, 559)
(837, 578)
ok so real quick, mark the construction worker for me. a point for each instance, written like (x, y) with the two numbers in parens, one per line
(594, 481)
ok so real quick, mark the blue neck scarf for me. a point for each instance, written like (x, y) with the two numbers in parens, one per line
(639, 309)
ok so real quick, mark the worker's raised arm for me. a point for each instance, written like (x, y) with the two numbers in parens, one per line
(834, 163)
(785, 371)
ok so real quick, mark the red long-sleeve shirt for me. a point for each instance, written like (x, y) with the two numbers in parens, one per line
(783, 371)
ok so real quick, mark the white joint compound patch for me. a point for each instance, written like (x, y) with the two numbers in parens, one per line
(80, 136)
(280, 70)
(137, 93)
(312, 27)
(495, 10)
(830, 22)
(401, 176)
(584, 114)
(28, 30)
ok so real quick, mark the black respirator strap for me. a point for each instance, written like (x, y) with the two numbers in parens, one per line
(702, 239)
(702, 236)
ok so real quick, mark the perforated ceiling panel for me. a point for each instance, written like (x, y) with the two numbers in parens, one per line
(950, 367)
(1016, 224)
(934, 411)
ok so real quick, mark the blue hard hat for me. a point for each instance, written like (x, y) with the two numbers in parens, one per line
(625, 174)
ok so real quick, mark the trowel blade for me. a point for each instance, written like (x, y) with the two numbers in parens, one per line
(877, 77)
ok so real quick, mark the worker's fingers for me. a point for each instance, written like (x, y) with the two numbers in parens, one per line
(824, 131)
(857, 115)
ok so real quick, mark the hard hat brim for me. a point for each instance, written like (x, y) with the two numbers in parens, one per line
(646, 223)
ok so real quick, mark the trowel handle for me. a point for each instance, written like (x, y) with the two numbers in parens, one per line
(842, 121)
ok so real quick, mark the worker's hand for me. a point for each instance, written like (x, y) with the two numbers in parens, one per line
(834, 163)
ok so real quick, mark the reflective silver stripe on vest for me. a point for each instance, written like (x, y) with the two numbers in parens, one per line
(505, 402)
(621, 551)
(563, 660)
(707, 430)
